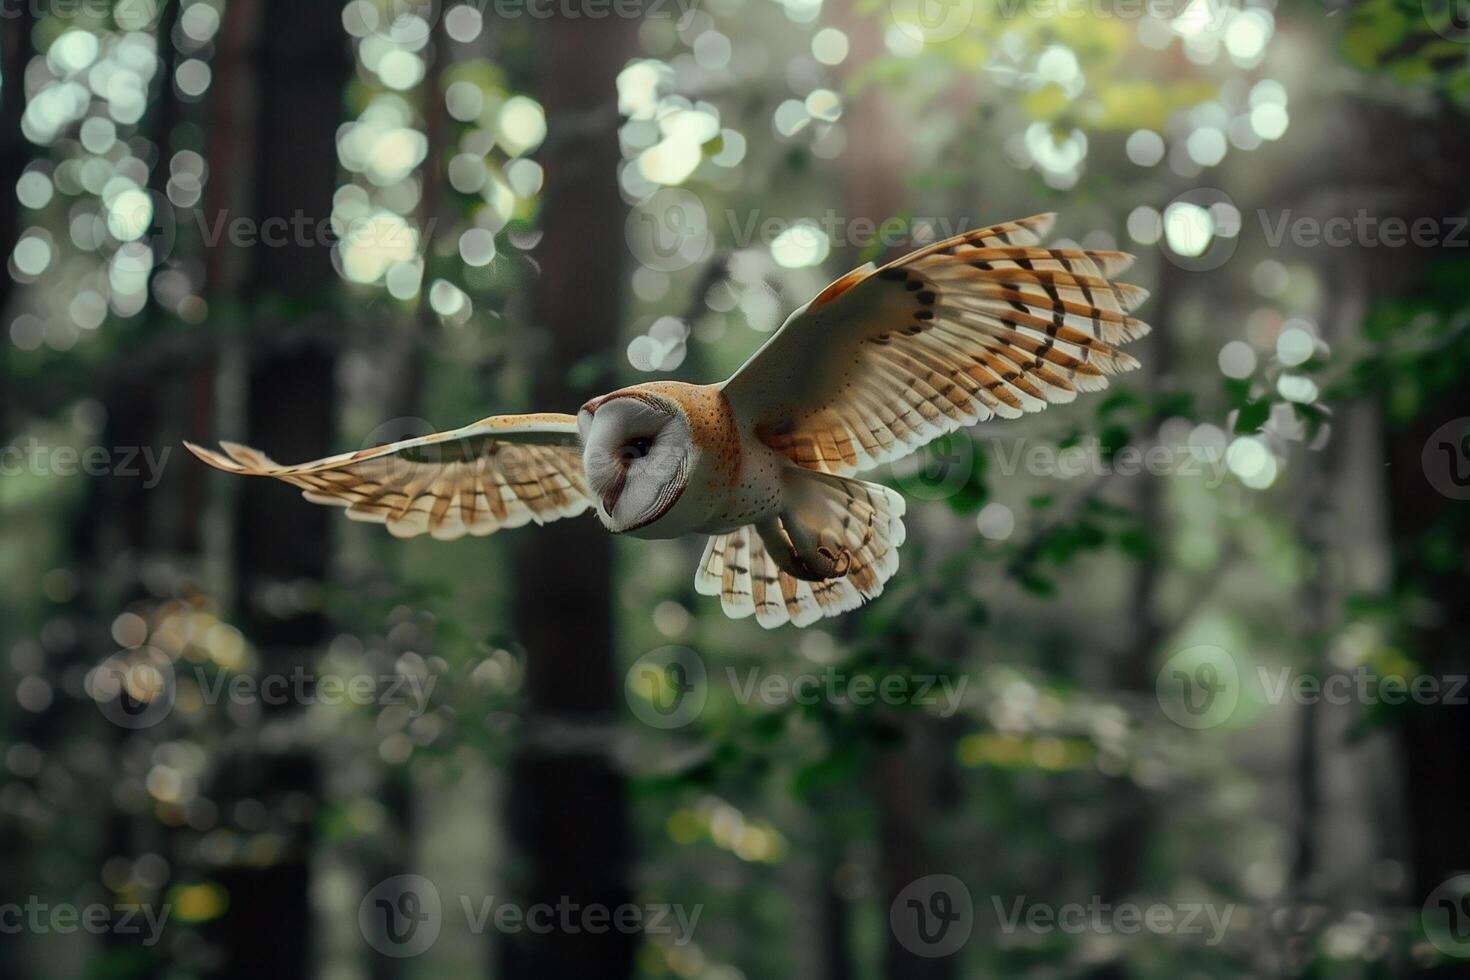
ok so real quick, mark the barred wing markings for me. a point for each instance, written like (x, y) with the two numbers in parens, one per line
(981, 325)
(500, 472)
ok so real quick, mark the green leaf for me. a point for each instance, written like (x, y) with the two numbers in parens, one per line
(1136, 544)
(1253, 416)
(1037, 584)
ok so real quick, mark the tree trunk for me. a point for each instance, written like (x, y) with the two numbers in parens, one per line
(905, 774)
(282, 545)
(15, 153)
(15, 149)
(1123, 850)
(568, 805)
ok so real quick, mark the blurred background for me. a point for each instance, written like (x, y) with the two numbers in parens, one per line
(1171, 682)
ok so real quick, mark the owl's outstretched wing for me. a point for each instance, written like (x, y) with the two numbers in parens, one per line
(981, 325)
(499, 472)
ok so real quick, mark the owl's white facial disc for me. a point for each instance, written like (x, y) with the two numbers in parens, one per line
(636, 454)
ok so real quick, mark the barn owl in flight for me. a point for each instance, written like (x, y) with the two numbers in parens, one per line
(879, 363)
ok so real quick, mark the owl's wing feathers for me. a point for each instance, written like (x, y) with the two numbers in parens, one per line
(499, 472)
(981, 325)
(830, 549)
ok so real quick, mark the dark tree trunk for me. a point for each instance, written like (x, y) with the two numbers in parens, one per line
(905, 775)
(836, 923)
(282, 545)
(1123, 851)
(15, 150)
(1435, 738)
(907, 800)
(15, 153)
(568, 808)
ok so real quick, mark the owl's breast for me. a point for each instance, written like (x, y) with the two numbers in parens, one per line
(732, 478)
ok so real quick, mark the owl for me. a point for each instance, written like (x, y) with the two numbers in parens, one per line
(766, 463)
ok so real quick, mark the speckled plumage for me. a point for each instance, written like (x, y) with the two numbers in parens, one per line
(879, 363)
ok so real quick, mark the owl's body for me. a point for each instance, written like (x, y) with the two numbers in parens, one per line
(879, 363)
(733, 478)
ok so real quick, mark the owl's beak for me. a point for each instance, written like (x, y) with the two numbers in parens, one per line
(611, 494)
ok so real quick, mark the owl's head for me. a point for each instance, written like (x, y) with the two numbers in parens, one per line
(636, 449)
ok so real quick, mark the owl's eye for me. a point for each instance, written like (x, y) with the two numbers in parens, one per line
(637, 448)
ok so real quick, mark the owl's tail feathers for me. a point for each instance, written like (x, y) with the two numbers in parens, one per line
(831, 548)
